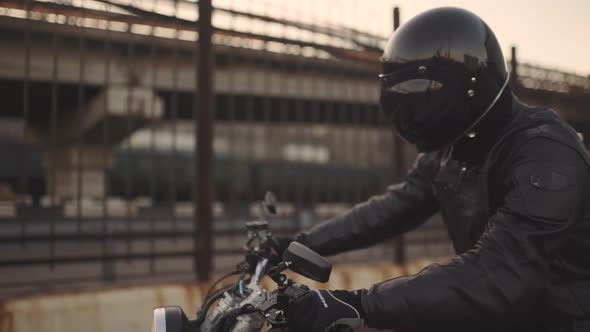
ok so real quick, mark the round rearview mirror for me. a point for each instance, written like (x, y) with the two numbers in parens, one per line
(307, 262)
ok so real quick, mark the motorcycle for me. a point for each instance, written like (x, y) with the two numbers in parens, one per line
(245, 305)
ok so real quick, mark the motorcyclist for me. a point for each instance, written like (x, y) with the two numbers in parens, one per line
(511, 182)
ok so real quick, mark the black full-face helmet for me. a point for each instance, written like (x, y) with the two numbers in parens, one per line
(442, 72)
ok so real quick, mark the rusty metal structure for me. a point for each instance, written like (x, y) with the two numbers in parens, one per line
(102, 129)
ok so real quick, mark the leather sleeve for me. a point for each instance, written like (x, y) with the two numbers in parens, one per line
(402, 207)
(505, 276)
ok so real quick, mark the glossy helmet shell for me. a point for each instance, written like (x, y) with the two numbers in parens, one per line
(442, 71)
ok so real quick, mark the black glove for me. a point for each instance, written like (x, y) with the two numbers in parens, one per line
(317, 310)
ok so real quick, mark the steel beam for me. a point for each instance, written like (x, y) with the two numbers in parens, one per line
(203, 117)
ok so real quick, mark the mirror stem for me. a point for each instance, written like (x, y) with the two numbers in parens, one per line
(275, 272)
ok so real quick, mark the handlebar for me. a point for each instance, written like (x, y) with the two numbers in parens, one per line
(244, 306)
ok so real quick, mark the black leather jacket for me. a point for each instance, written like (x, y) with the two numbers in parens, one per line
(519, 219)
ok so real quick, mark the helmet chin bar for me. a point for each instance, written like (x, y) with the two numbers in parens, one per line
(469, 132)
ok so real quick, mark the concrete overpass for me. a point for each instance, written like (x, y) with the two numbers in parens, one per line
(99, 59)
(81, 80)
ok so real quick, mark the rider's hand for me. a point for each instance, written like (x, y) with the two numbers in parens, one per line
(317, 310)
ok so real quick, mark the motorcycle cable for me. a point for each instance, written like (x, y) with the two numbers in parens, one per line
(219, 280)
(202, 312)
(227, 320)
(211, 296)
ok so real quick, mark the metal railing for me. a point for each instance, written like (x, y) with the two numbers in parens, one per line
(539, 78)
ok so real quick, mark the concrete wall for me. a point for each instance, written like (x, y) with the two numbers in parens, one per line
(130, 309)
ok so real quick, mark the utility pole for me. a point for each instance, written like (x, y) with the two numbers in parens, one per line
(399, 164)
(203, 117)
(513, 67)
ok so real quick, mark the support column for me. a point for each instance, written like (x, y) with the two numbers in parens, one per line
(77, 172)
(203, 117)
(400, 165)
(513, 67)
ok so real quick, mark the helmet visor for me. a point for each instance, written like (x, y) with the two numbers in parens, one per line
(418, 108)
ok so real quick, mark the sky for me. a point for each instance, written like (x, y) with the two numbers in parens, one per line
(550, 33)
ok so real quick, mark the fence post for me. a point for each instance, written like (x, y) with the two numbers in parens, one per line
(396, 20)
(203, 117)
(513, 67)
(399, 163)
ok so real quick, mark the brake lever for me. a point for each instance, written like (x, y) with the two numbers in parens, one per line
(274, 308)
